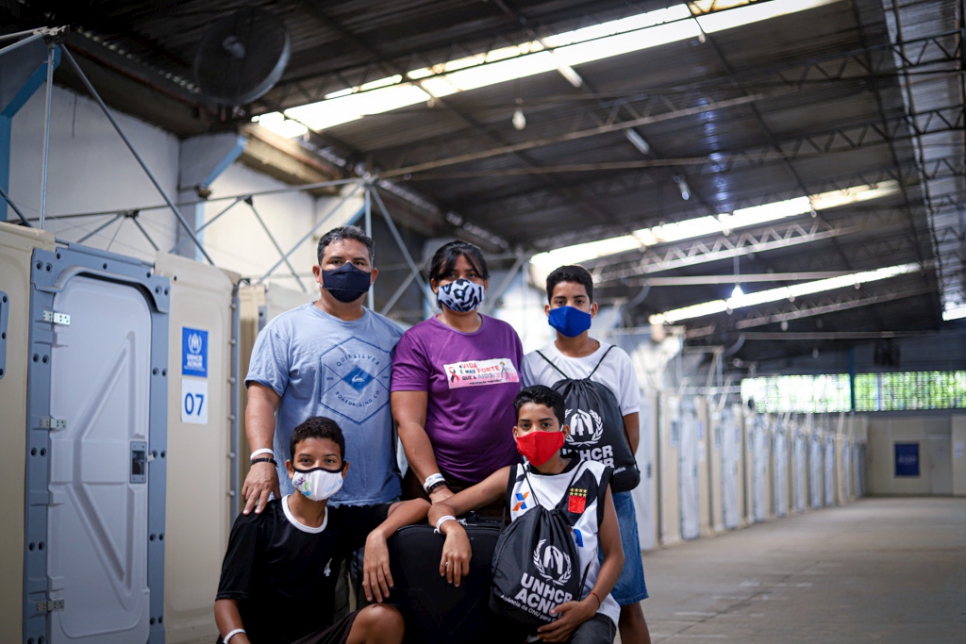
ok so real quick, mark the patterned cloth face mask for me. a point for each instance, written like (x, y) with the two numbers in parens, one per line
(317, 484)
(461, 296)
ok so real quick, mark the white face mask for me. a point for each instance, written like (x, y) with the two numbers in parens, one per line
(317, 484)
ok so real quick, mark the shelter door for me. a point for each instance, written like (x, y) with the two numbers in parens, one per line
(815, 471)
(799, 474)
(940, 465)
(97, 532)
(829, 471)
(688, 468)
(780, 454)
(759, 470)
(730, 446)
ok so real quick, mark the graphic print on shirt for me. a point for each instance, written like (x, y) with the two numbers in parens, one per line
(355, 381)
(577, 500)
(474, 373)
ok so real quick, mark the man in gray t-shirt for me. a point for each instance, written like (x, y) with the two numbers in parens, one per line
(330, 358)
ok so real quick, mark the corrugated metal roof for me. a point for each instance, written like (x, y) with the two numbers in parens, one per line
(850, 93)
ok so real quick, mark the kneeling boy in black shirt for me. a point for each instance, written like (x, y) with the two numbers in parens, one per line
(279, 574)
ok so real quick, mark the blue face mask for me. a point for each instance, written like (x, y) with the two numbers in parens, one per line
(568, 321)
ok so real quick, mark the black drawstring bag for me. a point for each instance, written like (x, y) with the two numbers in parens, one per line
(535, 564)
(597, 431)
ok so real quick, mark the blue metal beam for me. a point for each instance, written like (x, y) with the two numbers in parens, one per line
(20, 97)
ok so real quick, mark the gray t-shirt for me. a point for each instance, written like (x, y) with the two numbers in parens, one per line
(323, 366)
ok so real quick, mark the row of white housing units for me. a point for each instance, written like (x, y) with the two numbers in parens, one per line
(721, 467)
(120, 388)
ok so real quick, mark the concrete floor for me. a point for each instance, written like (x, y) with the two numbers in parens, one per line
(889, 569)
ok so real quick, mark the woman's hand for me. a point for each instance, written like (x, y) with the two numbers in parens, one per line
(572, 614)
(376, 578)
(457, 552)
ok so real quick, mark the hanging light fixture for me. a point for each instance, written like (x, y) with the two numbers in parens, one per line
(683, 187)
(737, 292)
(519, 120)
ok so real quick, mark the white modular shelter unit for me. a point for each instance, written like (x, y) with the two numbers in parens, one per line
(732, 481)
(669, 469)
(645, 494)
(779, 463)
(94, 417)
(17, 246)
(799, 465)
(829, 461)
(816, 468)
(202, 488)
(705, 447)
(759, 443)
(690, 495)
(715, 463)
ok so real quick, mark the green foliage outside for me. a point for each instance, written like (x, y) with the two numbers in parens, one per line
(873, 392)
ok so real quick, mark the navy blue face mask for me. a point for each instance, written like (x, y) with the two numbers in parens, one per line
(346, 283)
(569, 321)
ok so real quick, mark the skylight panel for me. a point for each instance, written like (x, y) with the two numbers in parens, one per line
(953, 311)
(712, 225)
(633, 33)
(782, 293)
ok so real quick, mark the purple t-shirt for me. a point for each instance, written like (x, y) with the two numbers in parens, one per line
(471, 379)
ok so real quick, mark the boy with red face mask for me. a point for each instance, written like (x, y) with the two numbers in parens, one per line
(545, 478)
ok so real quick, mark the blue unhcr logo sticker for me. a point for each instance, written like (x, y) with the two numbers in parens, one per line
(194, 352)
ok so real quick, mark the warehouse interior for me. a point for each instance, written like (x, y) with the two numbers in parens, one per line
(768, 193)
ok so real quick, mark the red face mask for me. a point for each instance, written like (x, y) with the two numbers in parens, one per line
(539, 446)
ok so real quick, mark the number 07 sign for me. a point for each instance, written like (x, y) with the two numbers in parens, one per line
(194, 401)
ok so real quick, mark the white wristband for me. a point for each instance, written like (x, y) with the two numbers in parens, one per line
(444, 519)
(431, 480)
(237, 630)
(263, 450)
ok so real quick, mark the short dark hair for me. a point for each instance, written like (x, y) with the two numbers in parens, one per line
(577, 274)
(541, 395)
(346, 232)
(446, 256)
(317, 427)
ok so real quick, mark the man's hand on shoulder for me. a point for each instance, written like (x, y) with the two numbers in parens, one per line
(262, 480)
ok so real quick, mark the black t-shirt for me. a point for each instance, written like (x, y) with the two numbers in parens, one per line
(283, 573)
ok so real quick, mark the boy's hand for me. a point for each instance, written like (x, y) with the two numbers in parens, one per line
(376, 578)
(457, 552)
(572, 614)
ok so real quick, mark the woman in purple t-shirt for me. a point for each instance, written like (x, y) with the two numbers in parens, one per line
(454, 378)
